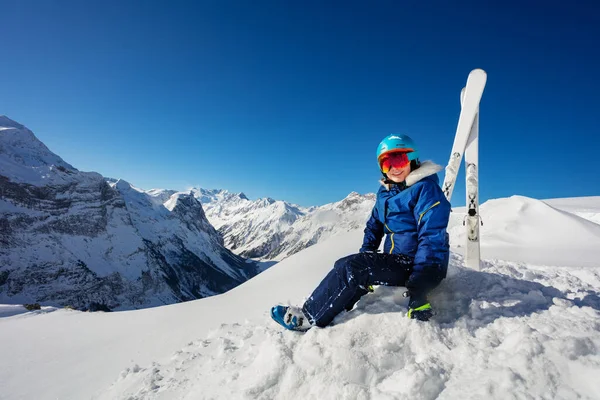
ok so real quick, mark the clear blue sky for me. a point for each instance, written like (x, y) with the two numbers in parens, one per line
(289, 99)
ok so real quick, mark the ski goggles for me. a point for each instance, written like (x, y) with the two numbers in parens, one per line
(393, 160)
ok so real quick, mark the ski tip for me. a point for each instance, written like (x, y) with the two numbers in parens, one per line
(478, 72)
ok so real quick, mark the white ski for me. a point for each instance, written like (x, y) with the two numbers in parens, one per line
(472, 96)
(466, 142)
(472, 219)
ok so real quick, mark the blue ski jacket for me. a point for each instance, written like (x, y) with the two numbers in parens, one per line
(414, 217)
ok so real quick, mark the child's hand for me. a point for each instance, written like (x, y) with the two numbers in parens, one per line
(423, 313)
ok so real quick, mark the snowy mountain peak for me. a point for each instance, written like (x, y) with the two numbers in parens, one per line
(16, 137)
(267, 201)
(6, 123)
(160, 196)
(354, 200)
(183, 199)
(122, 184)
(24, 158)
(206, 196)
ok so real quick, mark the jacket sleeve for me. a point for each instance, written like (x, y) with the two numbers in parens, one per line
(432, 213)
(373, 233)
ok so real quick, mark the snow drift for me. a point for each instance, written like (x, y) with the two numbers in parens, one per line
(529, 230)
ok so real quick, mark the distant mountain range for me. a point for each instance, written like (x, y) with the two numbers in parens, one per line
(75, 238)
(269, 229)
(274, 229)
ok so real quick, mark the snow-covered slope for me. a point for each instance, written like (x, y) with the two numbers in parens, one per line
(69, 237)
(584, 207)
(513, 330)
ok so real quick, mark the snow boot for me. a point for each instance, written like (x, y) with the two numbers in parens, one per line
(290, 317)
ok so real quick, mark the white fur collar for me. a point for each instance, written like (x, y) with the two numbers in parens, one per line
(427, 168)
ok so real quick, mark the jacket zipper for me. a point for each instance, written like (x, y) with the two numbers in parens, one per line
(391, 237)
(425, 212)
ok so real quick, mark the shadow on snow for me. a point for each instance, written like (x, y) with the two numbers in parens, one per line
(474, 299)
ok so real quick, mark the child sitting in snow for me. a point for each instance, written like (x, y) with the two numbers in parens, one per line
(413, 213)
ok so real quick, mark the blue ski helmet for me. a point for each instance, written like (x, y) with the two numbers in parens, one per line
(398, 143)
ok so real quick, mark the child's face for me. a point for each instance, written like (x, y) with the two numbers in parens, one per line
(399, 174)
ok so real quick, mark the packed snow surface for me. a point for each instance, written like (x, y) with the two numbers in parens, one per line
(523, 327)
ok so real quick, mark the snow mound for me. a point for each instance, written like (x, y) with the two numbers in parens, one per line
(495, 336)
(525, 229)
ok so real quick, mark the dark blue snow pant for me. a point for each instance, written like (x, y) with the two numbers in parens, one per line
(347, 282)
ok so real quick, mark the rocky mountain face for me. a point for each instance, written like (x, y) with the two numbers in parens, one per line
(74, 238)
(272, 230)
